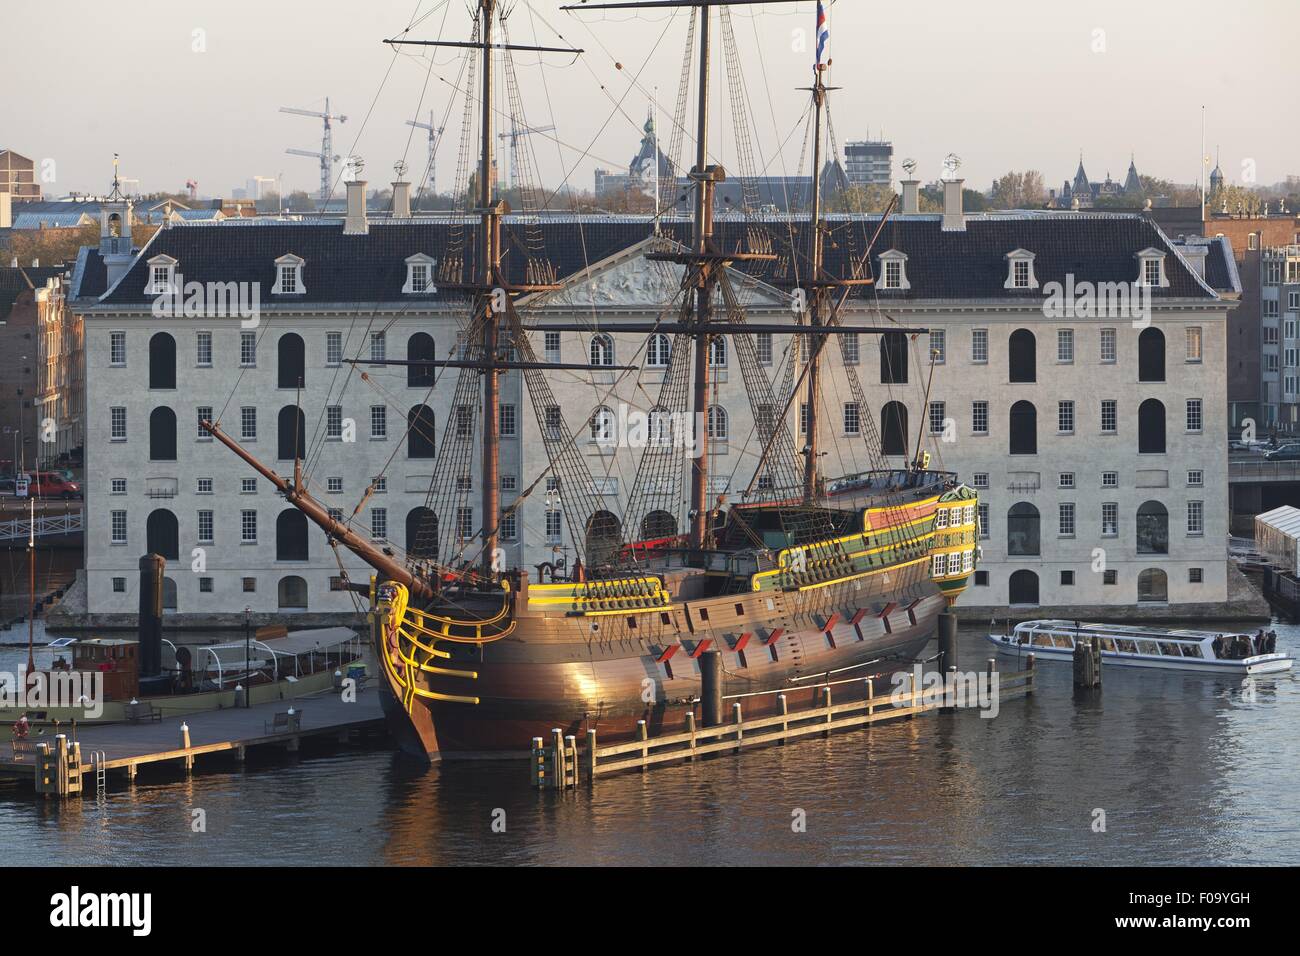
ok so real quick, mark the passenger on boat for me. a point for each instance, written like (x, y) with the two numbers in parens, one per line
(1270, 642)
(21, 728)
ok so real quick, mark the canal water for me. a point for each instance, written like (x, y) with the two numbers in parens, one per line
(1159, 769)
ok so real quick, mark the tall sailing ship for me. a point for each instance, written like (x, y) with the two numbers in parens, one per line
(797, 581)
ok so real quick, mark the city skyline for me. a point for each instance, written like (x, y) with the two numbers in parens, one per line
(216, 117)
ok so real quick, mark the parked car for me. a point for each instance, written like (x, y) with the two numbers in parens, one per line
(1287, 452)
(7, 487)
(49, 484)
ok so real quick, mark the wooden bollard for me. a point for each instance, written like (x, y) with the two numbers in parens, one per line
(1029, 673)
(1096, 655)
(740, 725)
(871, 696)
(826, 706)
(557, 760)
(949, 691)
(690, 729)
(946, 635)
(711, 688)
(591, 755)
(538, 774)
(570, 761)
(785, 710)
(643, 735)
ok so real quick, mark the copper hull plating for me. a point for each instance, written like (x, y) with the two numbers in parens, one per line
(606, 673)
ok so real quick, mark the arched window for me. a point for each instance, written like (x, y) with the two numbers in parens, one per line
(893, 429)
(1022, 588)
(291, 535)
(659, 426)
(162, 434)
(1022, 357)
(1024, 428)
(658, 351)
(421, 533)
(1152, 528)
(603, 426)
(419, 434)
(115, 225)
(1022, 529)
(603, 534)
(292, 593)
(291, 361)
(658, 524)
(718, 423)
(162, 361)
(1153, 586)
(1151, 427)
(893, 358)
(162, 534)
(717, 352)
(602, 349)
(1151, 355)
(169, 594)
(419, 348)
(290, 429)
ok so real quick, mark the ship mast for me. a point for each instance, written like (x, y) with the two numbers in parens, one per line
(817, 292)
(489, 266)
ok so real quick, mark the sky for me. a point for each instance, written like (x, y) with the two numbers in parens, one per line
(190, 89)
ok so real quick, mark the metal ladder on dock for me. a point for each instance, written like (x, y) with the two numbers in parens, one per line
(97, 760)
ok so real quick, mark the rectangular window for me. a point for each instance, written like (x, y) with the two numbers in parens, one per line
(803, 418)
(1067, 579)
(250, 585)
(893, 274)
(554, 421)
(979, 417)
(984, 521)
(205, 527)
(1065, 479)
(1020, 273)
(509, 421)
(464, 421)
(118, 524)
(1293, 301)
(852, 419)
(248, 527)
(1065, 346)
(1194, 343)
(465, 523)
(119, 585)
(936, 418)
(333, 422)
(1065, 519)
(509, 482)
(509, 526)
(1109, 416)
(763, 347)
(979, 345)
(379, 483)
(981, 579)
(248, 423)
(938, 346)
(552, 527)
(117, 348)
(203, 349)
(378, 347)
(1110, 479)
(248, 486)
(205, 585)
(980, 479)
(1196, 517)
(849, 348)
(247, 349)
(203, 486)
(1065, 417)
(379, 523)
(117, 423)
(1109, 519)
(551, 345)
(118, 486)
(288, 278)
(1110, 576)
(1151, 272)
(333, 349)
(1195, 575)
(1196, 478)
(1194, 416)
(204, 414)
(336, 514)
(379, 422)
(334, 486)
(1108, 348)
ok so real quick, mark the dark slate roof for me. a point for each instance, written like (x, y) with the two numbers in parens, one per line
(14, 282)
(941, 265)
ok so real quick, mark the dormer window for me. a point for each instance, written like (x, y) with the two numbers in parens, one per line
(288, 276)
(162, 275)
(419, 275)
(1020, 270)
(893, 270)
(1151, 269)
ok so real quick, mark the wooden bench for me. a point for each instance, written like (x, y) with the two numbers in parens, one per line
(284, 722)
(23, 746)
(135, 713)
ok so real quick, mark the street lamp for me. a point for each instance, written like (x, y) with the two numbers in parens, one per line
(248, 676)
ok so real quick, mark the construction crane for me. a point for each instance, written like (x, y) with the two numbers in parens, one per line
(435, 136)
(513, 136)
(326, 154)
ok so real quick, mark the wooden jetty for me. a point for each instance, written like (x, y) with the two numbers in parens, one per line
(559, 763)
(56, 763)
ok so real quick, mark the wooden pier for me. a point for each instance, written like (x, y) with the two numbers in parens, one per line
(56, 763)
(559, 763)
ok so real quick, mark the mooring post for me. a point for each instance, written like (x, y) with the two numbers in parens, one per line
(557, 762)
(826, 705)
(1096, 656)
(947, 638)
(949, 691)
(711, 688)
(591, 755)
(785, 709)
(538, 775)
(690, 729)
(642, 734)
(740, 725)
(871, 696)
(570, 761)
(1029, 673)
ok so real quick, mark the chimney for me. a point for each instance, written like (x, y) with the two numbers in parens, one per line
(953, 219)
(401, 200)
(6, 211)
(356, 224)
(911, 196)
(1195, 254)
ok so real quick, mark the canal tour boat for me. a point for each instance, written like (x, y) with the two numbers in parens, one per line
(1206, 652)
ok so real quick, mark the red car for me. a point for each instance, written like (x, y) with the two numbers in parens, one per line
(47, 484)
